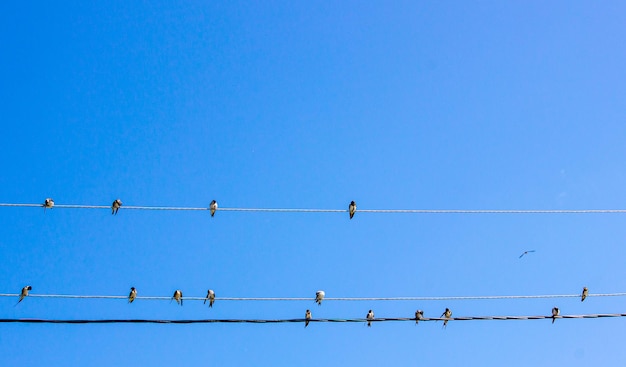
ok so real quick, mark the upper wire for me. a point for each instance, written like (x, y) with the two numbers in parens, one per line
(303, 210)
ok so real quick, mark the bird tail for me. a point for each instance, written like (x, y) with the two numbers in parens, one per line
(553, 318)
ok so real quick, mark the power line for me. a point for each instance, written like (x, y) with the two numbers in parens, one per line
(276, 321)
(308, 299)
(302, 210)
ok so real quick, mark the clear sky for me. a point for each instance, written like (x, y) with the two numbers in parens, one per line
(396, 105)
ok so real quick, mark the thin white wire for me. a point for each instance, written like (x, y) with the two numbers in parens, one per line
(445, 298)
(301, 210)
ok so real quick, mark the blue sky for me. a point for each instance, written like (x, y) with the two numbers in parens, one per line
(401, 105)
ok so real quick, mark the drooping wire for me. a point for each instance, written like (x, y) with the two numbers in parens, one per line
(276, 321)
(303, 210)
(219, 299)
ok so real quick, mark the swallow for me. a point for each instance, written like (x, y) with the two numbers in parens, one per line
(178, 296)
(48, 204)
(447, 314)
(319, 296)
(213, 207)
(585, 294)
(370, 317)
(352, 208)
(555, 313)
(525, 253)
(210, 296)
(419, 314)
(132, 295)
(24, 293)
(116, 206)
(307, 318)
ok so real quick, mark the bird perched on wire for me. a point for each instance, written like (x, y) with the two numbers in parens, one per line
(369, 317)
(419, 314)
(24, 293)
(48, 204)
(210, 296)
(213, 207)
(585, 294)
(178, 296)
(307, 318)
(117, 203)
(526, 253)
(555, 313)
(352, 208)
(319, 296)
(132, 295)
(447, 314)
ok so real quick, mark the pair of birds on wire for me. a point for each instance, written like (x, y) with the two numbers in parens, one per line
(115, 207)
(447, 314)
(369, 317)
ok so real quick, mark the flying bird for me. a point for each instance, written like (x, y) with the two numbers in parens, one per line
(585, 294)
(48, 204)
(24, 293)
(447, 314)
(370, 317)
(178, 296)
(419, 314)
(132, 295)
(116, 206)
(352, 209)
(319, 296)
(210, 296)
(525, 253)
(307, 318)
(555, 313)
(213, 207)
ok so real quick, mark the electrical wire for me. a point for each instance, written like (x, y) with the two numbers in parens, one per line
(276, 321)
(443, 298)
(301, 210)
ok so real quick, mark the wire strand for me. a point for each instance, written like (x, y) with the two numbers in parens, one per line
(299, 210)
(442, 298)
(276, 321)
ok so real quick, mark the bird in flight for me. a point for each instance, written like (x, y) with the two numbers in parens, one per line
(525, 253)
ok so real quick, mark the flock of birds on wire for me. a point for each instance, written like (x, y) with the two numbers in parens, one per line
(319, 296)
(117, 204)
